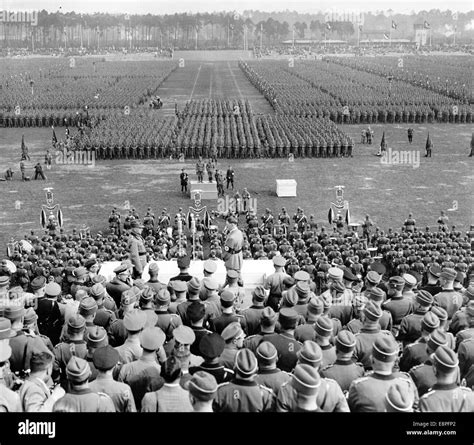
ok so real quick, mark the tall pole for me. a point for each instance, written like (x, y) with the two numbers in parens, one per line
(32, 40)
(261, 38)
(358, 34)
(293, 38)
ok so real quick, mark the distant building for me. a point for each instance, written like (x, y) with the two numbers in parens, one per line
(421, 34)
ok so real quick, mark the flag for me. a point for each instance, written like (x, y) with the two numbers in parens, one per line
(394, 25)
(383, 144)
(428, 142)
(55, 139)
(328, 26)
(426, 25)
(348, 216)
(23, 145)
(386, 36)
(472, 141)
(331, 216)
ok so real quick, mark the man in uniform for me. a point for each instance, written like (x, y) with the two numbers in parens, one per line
(268, 373)
(253, 314)
(200, 169)
(410, 327)
(230, 177)
(274, 282)
(114, 222)
(233, 336)
(398, 305)
(136, 248)
(10, 400)
(120, 283)
(184, 181)
(367, 394)
(134, 322)
(210, 167)
(166, 321)
(233, 245)
(410, 135)
(267, 328)
(446, 395)
(243, 393)
(449, 299)
(202, 391)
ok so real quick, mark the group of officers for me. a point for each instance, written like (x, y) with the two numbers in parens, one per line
(213, 174)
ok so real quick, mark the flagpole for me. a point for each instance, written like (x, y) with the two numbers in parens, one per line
(358, 34)
(261, 38)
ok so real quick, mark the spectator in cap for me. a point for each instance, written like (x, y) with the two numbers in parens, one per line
(211, 347)
(202, 391)
(303, 294)
(367, 394)
(30, 327)
(340, 309)
(117, 331)
(323, 335)
(448, 298)
(432, 275)
(105, 359)
(459, 321)
(178, 291)
(398, 305)
(233, 246)
(267, 328)
(410, 285)
(228, 316)
(37, 286)
(252, 397)
(274, 282)
(183, 263)
(10, 400)
(146, 305)
(306, 382)
(344, 370)
(372, 279)
(166, 321)
(410, 327)
(193, 286)
(50, 321)
(233, 284)
(78, 373)
(151, 340)
(446, 395)
(195, 314)
(92, 267)
(171, 397)
(285, 342)
(35, 394)
(443, 325)
(180, 347)
(334, 275)
(153, 281)
(315, 310)
(423, 374)
(120, 283)
(416, 353)
(330, 396)
(399, 399)
(269, 375)
(81, 280)
(358, 306)
(104, 301)
(74, 344)
(131, 350)
(95, 337)
(88, 309)
(253, 314)
(377, 296)
(467, 333)
(234, 336)
(208, 293)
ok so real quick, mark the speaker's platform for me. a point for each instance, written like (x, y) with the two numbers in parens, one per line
(208, 189)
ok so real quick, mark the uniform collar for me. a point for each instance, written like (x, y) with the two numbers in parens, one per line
(326, 347)
(80, 391)
(445, 386)
(344, 362)
(269, 371)
(241, 382)
(375, 375)
(211, 366)
(370, 329)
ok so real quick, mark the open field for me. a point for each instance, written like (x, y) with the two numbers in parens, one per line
(386, 192)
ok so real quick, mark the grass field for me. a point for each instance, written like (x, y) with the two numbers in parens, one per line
(386, 192)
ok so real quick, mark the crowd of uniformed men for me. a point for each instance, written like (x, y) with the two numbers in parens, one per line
(332, 329)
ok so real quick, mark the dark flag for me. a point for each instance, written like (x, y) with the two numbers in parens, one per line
(331, 216)
(23, 145)
(383, 144)
(429, 144)
(55, 139)
(394, 25)
(24, 150)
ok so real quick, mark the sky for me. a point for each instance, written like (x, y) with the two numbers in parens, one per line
(172, 6)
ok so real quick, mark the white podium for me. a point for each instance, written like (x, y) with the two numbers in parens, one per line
(285, 188)
(208, 189)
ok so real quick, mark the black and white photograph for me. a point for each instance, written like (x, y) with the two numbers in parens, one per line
(240, 208)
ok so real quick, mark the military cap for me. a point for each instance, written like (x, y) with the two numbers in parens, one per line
(266, 354)
(233, 274)
(448, 274)
(76, 323)
(4, 280)
(430, 322)
(77, 370)
(210, 283)
(376, 294)
(195, 311)
(183, 262)
(269, 317)
(310, 353)
(378, 267)
(231, 331)
(245, 362)
(410, 280)
(38, 283)
(324, 326)
(105, 358)
(153, 267)
(30, 316)
(469, 292)
(211, 345)
(436, 339)
(335, 273)
(147, 294)
(103, 318)
(424, 298)
(470, 309)
(435, 270)
(40, 361)
(184, 335)
(315, 306)
(134, 320)
(6, 330)
(288, 318)
(128, 297)
(305, 380)
(152, 338)
(397, 281)
(345, 341)
(87, 306)
(120, 269)
(302, 289)
(162, 297)
(97, 337)
(439, 312)
(210, 266)
(97, 291)
(232, 220)
(360, 301)
(138, 285)
(290, 298)
(301, 275)
(14, 312)
(372, 311)
(227, 296)
(338, 287)
(80, 272)
(385, 349)
(279, 261)
(203, 386)
(179, 286)
(194, 285)
(399, 399)
(445, 359)
(259, 294)
(90, 262)
(349, 276)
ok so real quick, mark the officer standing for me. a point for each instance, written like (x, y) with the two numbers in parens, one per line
(274, 282)
(184, 181)
(233, 245)
(200, 169)
(268, 373)
(136, 249)
(230, 177)
(210, 167)
(39, 172)
(410, 135)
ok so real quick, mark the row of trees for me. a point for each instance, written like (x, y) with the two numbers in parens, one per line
(204, 30)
